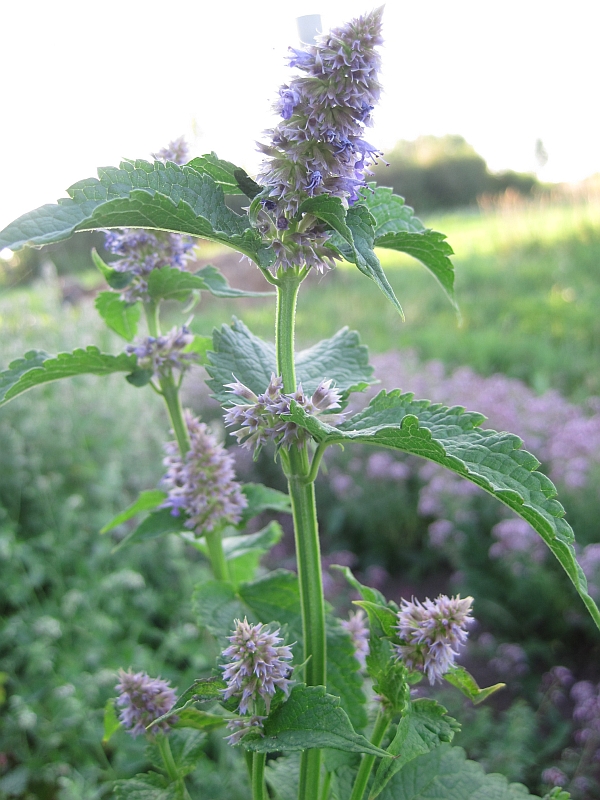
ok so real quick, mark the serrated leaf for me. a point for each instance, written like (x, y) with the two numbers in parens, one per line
(452, 438)
(147, 500)
(38, 367)
(157, 523)
(114, 278)
(218, 285)
(445, 774)
(121, 317)
(466, 683)
(222, 172)
(170, 283)
(147, 786)
(330, 210)
(389, 211)
(187, 748)
(262, 498)
(111, 720)
(217, 606)
(276, 597)
(199, 720)
(309, 718)
(141, 194)
(424, 727)
(239, 353)
(201, 690)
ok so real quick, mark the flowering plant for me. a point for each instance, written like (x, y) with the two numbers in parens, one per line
(324, 700)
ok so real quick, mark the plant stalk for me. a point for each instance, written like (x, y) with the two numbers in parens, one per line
(366, 765)
(220, 567)
(258, 776)
(306, 533)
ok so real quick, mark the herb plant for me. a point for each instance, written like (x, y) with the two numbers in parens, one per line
(334, 713)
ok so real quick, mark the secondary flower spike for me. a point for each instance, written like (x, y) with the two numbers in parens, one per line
(432, 632)
(202, 484)
(143, 699)
(162, 354)
(318, 147)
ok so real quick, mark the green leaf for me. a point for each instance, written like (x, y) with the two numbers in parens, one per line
(111, 721)
(121, 317)
(248, 186)
(331, 211)
(187, 748)
(283, 776)
(222, 172)
(466, 683)
(218, 285)
(387, 619)
(388, 210)
(200, 720)
(140, 377)
(200, 691)
(157, 523)
(431, 249)
(343, 673)
(262, 498)
(38, 367)
(425, 727)
(452, 438)
(140, 194)
(366, 592)
(147, 500)
(217, 606)
(201, 346)
(445, 774)
(309, 718)
(170, 283)
(114, 278)
(147, 786)
(239, 353)
(276, 598)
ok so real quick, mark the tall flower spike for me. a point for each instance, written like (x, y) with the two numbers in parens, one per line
(142, 251)
(203, 483)
(432, 633)
(258, 418)
(257, 665)
(143, 699)
(318, 147)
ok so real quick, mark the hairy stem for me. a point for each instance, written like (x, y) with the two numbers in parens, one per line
(308, 555)
(366, 765)
(258, 776)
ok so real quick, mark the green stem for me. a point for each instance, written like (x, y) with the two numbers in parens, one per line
(306, 533)
(167, 756)
(326, 786)
(214, 542)
(258, 776)
(366, 765)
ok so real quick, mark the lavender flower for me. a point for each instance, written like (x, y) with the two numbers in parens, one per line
(258, 419)
(318, 147)
(432, 632)
(142, 700)
(202, 483)
(242, 726)
(355, 625)
(257, 665)
(142, 251)
(162, 354)
(516, 537)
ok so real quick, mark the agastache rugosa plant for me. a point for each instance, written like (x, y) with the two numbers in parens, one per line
(310, 207)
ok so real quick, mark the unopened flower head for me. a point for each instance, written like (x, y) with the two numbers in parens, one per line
(358, 630)
(243, 725)
(202, 484)
(162, 354)
(257, 665)
(432, 632)
(143, 699)
(258, 418)
(141, 251)
(318, 147)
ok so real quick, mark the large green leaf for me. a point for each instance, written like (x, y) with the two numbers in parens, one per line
(170, 283)
(262, 498)
(241, 354)
(445, 774)
(452, 438)
(148, 786)
(217, 284)
(141, 194)
(121, 317)
(222, 172)
(37, 367)
(424, 727)
(389, 211)
(309, 718)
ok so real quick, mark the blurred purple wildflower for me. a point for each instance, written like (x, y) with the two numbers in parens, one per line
(142, 700)
(432, 632)
(202, 484)
(177, 151)
(164, 353)
(554, 777)
(257, 667)
(516, 537)
(589, 560)
(318, 147)
(258, 419)
(356, 627)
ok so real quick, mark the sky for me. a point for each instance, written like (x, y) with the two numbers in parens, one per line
(85, 84)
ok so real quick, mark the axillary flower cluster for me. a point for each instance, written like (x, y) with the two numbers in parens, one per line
(318, 148)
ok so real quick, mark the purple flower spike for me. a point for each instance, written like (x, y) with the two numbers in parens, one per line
(164, 353)
(356, 627)
(203, 483)
(432, 632)
(143, 699)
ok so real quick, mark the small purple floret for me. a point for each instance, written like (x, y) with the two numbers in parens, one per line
(143, 699)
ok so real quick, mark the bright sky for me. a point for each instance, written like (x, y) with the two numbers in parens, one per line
(84, 84)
